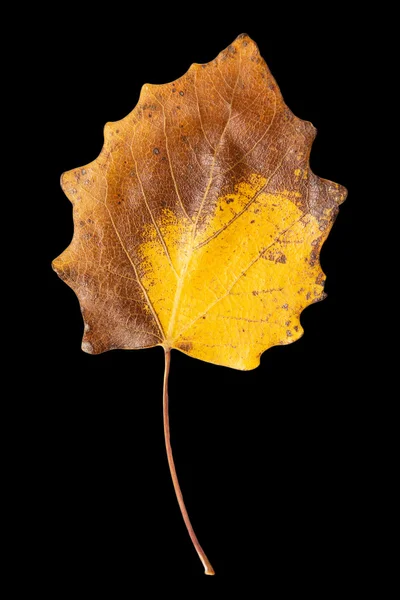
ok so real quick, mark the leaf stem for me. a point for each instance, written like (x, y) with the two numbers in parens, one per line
(206, 563)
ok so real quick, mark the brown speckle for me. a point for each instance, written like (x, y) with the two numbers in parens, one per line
(255, 293)
(285, 306)
(289, 333)
(253, 221)
(181, 93)
(156, 151)
(185, 346)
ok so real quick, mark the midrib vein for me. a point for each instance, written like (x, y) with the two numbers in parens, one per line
(182, 277)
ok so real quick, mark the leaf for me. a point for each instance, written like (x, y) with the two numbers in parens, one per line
(200, 224)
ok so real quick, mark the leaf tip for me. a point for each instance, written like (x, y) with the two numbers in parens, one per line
(242, 36)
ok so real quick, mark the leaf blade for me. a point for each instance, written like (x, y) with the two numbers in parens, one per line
(200, 224)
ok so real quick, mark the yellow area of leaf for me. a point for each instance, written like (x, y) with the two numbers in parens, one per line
(243, 282)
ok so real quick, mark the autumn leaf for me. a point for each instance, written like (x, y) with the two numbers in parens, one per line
(200, 224)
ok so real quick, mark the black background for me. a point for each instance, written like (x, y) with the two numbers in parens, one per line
(272, 462)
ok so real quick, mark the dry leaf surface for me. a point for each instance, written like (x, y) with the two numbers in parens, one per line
(200, 224)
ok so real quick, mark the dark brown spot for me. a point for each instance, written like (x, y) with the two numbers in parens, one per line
(229, 200)
(82, 223)
(255, 293)
(156, 151)
(289, 333)
(296, 327)
(313, 257)
(253, 221)
(185, 346)
(308, 295)
(285, 306)
(275, 256)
